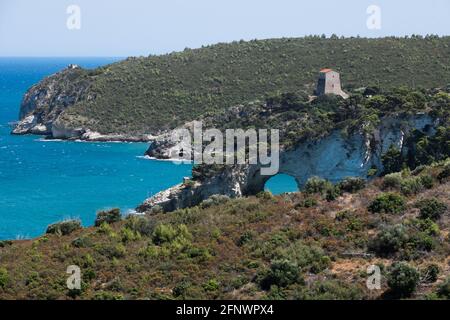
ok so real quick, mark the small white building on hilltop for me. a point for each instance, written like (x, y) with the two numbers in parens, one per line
(330, 83)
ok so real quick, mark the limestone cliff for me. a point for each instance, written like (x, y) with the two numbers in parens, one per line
(332, 157)
(44, 102)
(43, 107)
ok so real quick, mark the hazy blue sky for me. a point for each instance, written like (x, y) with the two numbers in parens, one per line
(142, 27)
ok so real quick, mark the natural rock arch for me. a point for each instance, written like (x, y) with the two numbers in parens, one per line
(332, 157)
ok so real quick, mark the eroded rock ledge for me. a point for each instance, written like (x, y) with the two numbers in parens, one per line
(43, 106)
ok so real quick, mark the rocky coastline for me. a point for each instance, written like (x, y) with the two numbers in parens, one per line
(332, 157)
(328, 153)
(43, 106)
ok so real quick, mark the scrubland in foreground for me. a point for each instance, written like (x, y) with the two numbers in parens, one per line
(316, 244)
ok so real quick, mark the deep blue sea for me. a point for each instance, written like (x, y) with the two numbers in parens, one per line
(42, 182)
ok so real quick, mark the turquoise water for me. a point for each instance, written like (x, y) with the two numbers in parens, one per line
(281, 183)
(42, 182)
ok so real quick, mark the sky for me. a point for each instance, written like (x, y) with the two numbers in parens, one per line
(122, 28)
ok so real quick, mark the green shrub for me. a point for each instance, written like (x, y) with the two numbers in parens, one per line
(392, 160)
(392, 181)
(282, 273)
(427, 181)
(181, 289)
(4, 243)
(239, 281)
(143, 225)
(420, 241)
(389, 240)
(214, 200)
(388, 203)
(129, 235)
(431, 209)
(309, 258)
(372, 172)
(307, 203)
(317, 185)
(211, 285)
(444, 174)
(64, 227)
(409, 239)
(411, 186)
(352, 184)
(109, 216)
(352, 223)
(202, 254)
(82, 242)
(4, 277)
(267, 195)
(406, 184)
(105, 295)
(166, 233)
(244, 238)
(332, 193)
(330, 290)
(427, 226)
(431, 273)
(113, 251)
(403, 279)
(444, 289)
(87, 261)
(105, 228)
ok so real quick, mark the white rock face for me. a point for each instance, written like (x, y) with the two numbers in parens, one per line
(44, 102)
(163, 146)
(232, 183)
(25, 125)
(89, 135)
(336, 157)
(333, 158)
(39, 129)
(30, 125)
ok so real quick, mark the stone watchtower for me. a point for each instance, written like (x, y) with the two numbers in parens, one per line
(330, 83)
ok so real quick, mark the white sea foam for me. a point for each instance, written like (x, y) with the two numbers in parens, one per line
(22, 237)
(133, 212)
(96, 141)
(83, 141)
(170, 160)
(49, 140)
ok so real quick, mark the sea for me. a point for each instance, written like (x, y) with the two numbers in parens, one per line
(45, 181)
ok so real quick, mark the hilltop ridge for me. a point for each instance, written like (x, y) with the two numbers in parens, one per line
(145, 96)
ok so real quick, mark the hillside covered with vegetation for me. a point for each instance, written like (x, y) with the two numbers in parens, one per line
(316, 244)
(150, 94)
(300, 119)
